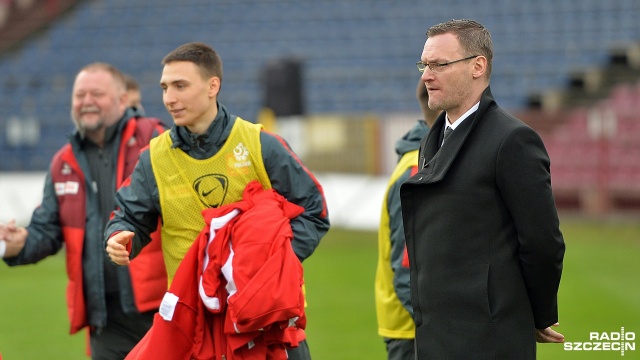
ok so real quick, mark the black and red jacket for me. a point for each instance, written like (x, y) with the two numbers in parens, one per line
(69, 214)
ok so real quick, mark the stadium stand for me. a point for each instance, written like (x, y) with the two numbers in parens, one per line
(595, 153)
(357, 58)
(21, 18)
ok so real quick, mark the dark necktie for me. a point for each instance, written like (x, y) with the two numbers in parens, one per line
(447, 132)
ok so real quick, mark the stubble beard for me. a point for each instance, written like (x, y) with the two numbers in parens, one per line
(88, 128)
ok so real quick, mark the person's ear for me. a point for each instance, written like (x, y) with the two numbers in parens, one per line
(124, 99)
(479, 66)
(214, 86)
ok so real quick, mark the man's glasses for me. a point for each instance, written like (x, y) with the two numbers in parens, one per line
(439, 67)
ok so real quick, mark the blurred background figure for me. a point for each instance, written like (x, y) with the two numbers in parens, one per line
(428, 115)
(392, 293)
(135, 95)
(115, 303)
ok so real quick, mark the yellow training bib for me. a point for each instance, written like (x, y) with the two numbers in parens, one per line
(187, 185)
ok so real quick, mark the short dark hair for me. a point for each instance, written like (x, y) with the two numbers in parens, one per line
(130, 82)
(202, 55)
(428, 115)
(474, 38)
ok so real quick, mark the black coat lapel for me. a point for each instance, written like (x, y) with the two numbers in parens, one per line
(430, 144)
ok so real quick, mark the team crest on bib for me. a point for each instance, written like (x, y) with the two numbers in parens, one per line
(241, 155)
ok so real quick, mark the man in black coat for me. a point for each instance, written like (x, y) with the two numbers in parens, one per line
(480, 220)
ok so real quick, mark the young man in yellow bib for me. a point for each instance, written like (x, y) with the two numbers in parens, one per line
(392, 293)
(205, 161)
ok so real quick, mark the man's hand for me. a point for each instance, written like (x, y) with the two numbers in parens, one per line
(14, 238)
(549, 335)
(117, 247)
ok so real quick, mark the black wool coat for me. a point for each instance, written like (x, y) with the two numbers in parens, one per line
(483, 239)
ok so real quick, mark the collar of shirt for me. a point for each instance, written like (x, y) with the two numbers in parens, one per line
(463, 117)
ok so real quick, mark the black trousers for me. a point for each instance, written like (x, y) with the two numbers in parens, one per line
(400, 349)
(301, 352)
(122, 333)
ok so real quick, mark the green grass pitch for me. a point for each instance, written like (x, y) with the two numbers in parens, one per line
(600, 292)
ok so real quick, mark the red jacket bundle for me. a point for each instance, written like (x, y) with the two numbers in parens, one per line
(242, 266)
